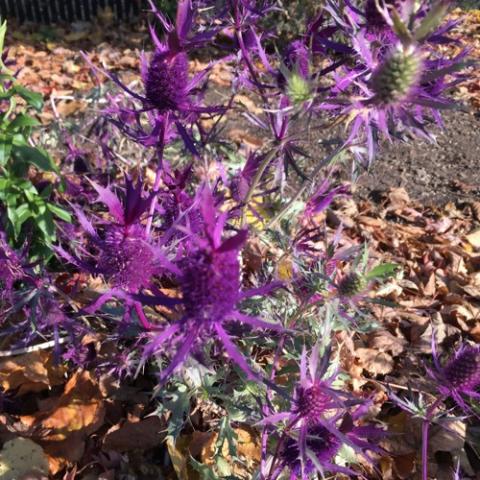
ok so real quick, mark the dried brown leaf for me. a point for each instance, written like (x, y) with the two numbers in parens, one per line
(32, 372)
(373, 361)
(148, 433)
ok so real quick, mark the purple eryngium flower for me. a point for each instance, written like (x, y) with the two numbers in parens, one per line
(394, 85)
(210, 284)
(319, 443)
(318, 423)
(171, 99)
(166, 81)
(460, 376)
(124, 253)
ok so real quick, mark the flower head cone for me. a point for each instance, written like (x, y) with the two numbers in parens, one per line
(313, 396)
(459, 378)
(319, 444)
(396, 78)
(166, 81)
(294, 74)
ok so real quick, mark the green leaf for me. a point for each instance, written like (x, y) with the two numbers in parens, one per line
(226, 434)
(5, 149)
(223, 467)
(46, 225)
(36, 156)
(24, 120)
(60, 212)
(19, 140)
(33, 99)
(382, 271)
(178, 403)
(23, 213)
(3, 31)
(12, 217)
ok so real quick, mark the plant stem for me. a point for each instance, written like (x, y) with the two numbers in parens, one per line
(425, 429)
(309, 181)
(256, 180)
(158, 175)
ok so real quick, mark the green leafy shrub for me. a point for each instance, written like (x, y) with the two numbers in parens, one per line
(26, 211)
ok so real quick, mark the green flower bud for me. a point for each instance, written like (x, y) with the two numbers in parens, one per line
(351, 284)
(395, 78)
(298, 88)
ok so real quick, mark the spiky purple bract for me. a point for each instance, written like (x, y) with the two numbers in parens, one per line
(297, 58)
(209, 280)
(11, 268)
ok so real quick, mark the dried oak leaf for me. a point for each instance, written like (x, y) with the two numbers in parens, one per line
(373, 361)
(248, 450)
(384, 341)
(32, 372)
(77, 413)
(148, 433)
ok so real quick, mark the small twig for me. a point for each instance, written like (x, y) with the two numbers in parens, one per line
(33, 348)
(402, 387)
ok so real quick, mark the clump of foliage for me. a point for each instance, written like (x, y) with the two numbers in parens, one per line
(27, 211)
(180, 297)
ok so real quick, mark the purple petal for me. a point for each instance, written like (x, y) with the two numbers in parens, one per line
(179, 357)
(106, 196)
(235, 354)
(258, 323)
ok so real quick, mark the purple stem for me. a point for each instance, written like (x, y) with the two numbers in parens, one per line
(158, 174)
(276, 359)
(425, 428)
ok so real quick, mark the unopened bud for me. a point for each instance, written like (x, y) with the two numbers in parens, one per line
(351, 285)
(395, 78)
(298, 88)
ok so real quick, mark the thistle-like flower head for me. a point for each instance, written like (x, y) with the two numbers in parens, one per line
(398, 75)
(463, 370)
(459, 378)
(166, 81)
(321, 420)
(124, 253)
(351, 284)
(126, 257)
(210, 282)
(396, 81)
